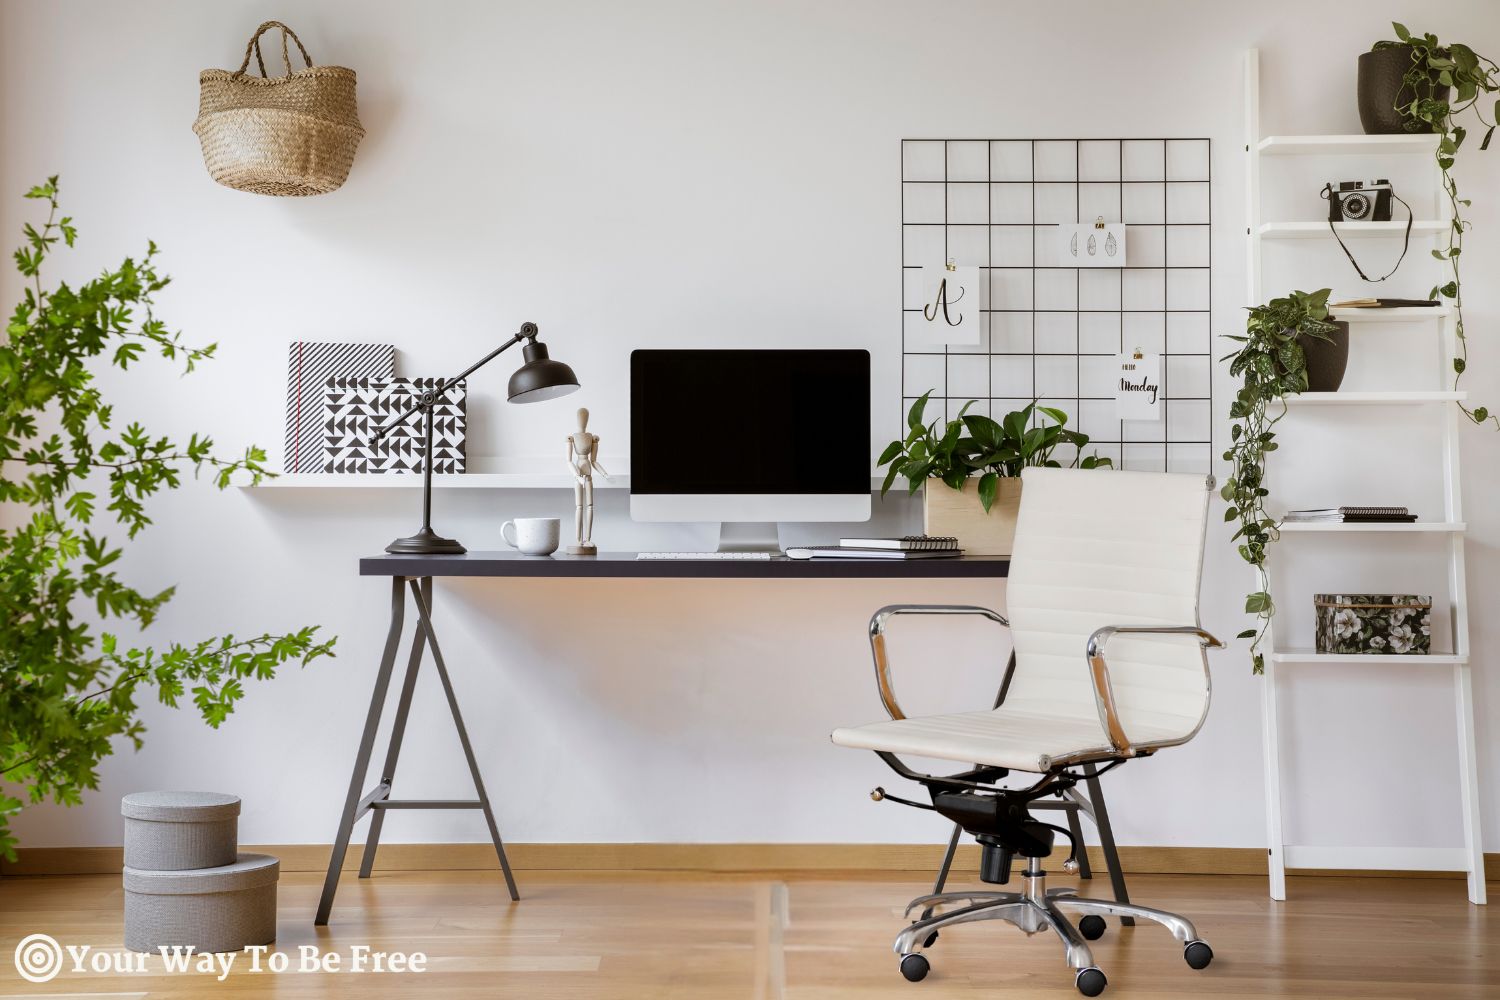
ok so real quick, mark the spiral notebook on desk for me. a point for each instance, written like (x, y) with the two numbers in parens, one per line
(906, 543)
(846, 552)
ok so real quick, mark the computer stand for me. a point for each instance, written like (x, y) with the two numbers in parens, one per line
(750, 536)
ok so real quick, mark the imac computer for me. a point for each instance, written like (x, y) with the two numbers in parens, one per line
(750, 438)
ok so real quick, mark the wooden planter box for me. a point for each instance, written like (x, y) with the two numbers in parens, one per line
(959, 513)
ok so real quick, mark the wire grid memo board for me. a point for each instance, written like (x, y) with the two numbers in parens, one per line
(1050, 330)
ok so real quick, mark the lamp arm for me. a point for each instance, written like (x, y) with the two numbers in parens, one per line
(528, 331)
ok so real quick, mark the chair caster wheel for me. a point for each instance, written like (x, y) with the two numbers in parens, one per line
(1092, 927)
(931, 940)
(915, 968)
(1198, 954)
(1090, 982)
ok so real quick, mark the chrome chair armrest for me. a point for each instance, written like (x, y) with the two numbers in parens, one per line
(1104, 695)
(877, 641)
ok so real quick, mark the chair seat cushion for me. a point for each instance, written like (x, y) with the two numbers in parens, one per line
(1004, 737)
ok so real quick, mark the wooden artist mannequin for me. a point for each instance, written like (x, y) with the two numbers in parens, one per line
(583, 459)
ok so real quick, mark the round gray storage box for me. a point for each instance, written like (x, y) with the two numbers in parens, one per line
(213, 909)
(175, 831)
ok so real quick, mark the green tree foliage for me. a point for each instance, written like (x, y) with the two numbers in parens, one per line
(68, 691)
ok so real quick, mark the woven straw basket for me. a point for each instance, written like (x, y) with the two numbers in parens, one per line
(287, 135)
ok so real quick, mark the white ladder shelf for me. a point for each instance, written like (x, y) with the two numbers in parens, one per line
(1469, 858)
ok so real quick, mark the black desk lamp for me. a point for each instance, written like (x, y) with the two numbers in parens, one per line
(538, 379)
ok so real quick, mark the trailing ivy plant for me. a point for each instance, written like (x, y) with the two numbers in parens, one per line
(1270, 365)
(67, 690)
(971, 443)
(1469, 75)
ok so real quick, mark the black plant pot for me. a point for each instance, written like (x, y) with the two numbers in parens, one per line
(1326, 359)
(1382, 89)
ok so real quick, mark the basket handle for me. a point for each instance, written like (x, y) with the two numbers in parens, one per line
(254, 46)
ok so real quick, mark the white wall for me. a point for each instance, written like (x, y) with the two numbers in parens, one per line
(671, 174)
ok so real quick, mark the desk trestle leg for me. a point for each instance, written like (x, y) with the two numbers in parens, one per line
(352, 802)
(425, 616)
(398, 732)
(378, 799)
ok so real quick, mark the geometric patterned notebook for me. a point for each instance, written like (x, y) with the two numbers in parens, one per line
(309, 367)
(353, 408)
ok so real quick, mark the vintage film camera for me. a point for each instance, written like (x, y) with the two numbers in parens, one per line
(1359, 201)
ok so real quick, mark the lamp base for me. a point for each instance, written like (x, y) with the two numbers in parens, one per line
(425, 543)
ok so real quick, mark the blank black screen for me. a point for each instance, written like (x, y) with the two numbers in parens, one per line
(750, 421)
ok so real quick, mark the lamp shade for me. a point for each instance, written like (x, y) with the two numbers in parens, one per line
(540, 378)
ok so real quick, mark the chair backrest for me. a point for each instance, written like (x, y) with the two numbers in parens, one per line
(1109, 547)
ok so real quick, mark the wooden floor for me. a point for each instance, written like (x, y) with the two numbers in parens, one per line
(685, 936)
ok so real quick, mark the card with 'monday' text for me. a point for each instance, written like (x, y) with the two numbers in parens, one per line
(1138, 387)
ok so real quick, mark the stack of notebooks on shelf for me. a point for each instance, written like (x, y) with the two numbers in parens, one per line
(1384, 303)
(906, 547)
(1350, 515)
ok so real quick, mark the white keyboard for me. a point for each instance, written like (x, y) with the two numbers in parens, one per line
(750, 556)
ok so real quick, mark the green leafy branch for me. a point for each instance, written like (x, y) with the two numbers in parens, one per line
(1271, 365)
(1468, 75)
(57, 755)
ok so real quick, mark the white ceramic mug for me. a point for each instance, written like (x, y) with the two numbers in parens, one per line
(535, 536)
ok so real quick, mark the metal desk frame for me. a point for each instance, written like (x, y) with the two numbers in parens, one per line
(378, 799)
(411, 576)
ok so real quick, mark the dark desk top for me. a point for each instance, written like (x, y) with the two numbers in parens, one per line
(625, 564)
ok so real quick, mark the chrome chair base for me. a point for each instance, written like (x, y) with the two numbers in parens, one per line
(1033, 910)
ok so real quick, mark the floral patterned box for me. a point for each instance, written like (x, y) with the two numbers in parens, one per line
(1373, 623)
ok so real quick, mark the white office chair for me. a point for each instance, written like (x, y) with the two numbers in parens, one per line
(1105, 562)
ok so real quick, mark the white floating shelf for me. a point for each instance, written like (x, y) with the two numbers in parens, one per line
(1373, 398)
(1337, 145)
(1335, 527)
(1398, 314)
(1319, 230)
(1419, 659)
(469, 481)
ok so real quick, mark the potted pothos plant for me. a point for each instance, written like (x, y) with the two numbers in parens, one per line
(1419, 84)
(973, 457)
(1271, 364)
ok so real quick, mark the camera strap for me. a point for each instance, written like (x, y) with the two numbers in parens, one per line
(1328, 193)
